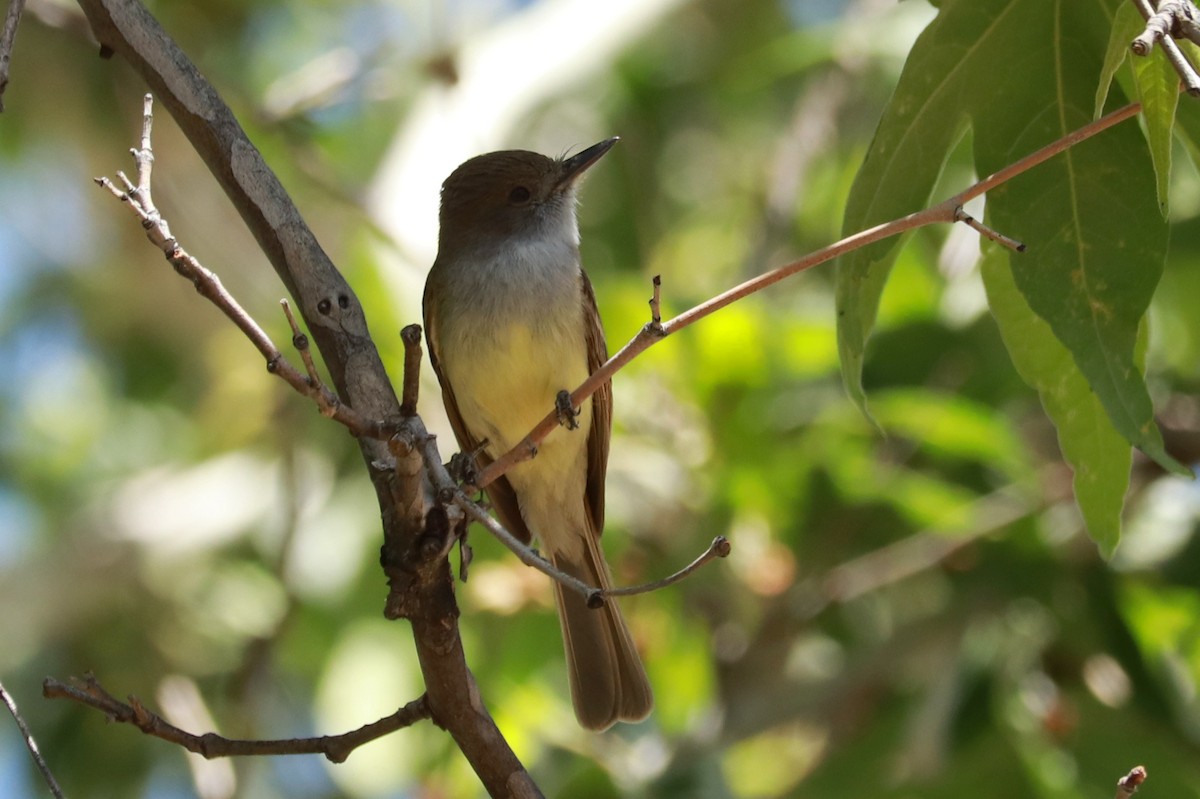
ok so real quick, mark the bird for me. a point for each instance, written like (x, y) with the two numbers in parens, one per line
(511, 321)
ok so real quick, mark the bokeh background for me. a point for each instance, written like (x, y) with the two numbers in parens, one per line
(916, 614)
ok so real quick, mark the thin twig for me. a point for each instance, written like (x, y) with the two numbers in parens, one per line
(8, 37)
(144, 155)
(335, 748)
(525, 553)
(656, 301)
(594, 594)
(719, 548)
(944, 212)
(1161, 25)
(962, 216)
(30, 744)
(300, 342)
(411, 386)
(139, 198)
(1127, 786)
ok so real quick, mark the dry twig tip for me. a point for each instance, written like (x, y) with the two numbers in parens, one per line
(1127, 786)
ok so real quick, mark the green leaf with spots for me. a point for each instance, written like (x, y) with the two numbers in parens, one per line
(1096, 247)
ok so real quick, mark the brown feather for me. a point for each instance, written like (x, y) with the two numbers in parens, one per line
(602, 407)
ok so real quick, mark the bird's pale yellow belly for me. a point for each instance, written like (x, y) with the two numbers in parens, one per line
(504, 387)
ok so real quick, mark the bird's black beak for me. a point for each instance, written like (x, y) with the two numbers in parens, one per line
(577, 164)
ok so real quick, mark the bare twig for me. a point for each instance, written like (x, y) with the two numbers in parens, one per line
(411, 336)
(457, 497)
(948, 211)
(1127, 786)
(656, 301)
(335, 748)
(300, 342)
(1173, 18)
(962, 216)
(524, 553)
(139, 198)
(719, 548)
(8, 36)
(30, 744)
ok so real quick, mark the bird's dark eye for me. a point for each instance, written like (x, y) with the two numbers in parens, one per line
(519, 195)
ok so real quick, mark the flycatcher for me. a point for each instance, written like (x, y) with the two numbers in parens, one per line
(511, 320)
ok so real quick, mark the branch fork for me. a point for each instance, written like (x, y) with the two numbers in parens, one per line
(1173, 19)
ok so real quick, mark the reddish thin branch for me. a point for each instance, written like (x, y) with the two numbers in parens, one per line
(947, 211)
(336, 748)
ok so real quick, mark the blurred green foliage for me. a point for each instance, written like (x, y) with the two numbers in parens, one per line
(919, 613)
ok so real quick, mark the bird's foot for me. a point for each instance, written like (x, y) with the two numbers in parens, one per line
(464, 466)
(567, 414)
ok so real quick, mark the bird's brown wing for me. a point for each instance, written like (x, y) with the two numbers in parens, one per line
(602, 404)
(500, 491)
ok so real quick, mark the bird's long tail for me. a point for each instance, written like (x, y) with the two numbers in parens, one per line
(608, 681)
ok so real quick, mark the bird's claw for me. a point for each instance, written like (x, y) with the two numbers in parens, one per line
(567, 413)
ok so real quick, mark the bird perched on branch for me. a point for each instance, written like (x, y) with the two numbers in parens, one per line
(511, 322)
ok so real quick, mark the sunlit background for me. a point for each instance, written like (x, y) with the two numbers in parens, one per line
(912, 615)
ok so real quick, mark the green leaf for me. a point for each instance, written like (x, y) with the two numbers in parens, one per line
(1098, 455)
(1158, 88)
(923, 122)
(1097, 244)
(1127, 23)
(1097, 240)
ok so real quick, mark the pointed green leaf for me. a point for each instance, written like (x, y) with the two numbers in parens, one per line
(1127, 23)
(923, 122)
(1158, 88)
(1099, 456)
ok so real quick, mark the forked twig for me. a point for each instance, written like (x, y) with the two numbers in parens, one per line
(1172, 18)
(139, 198)
(335, 748)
